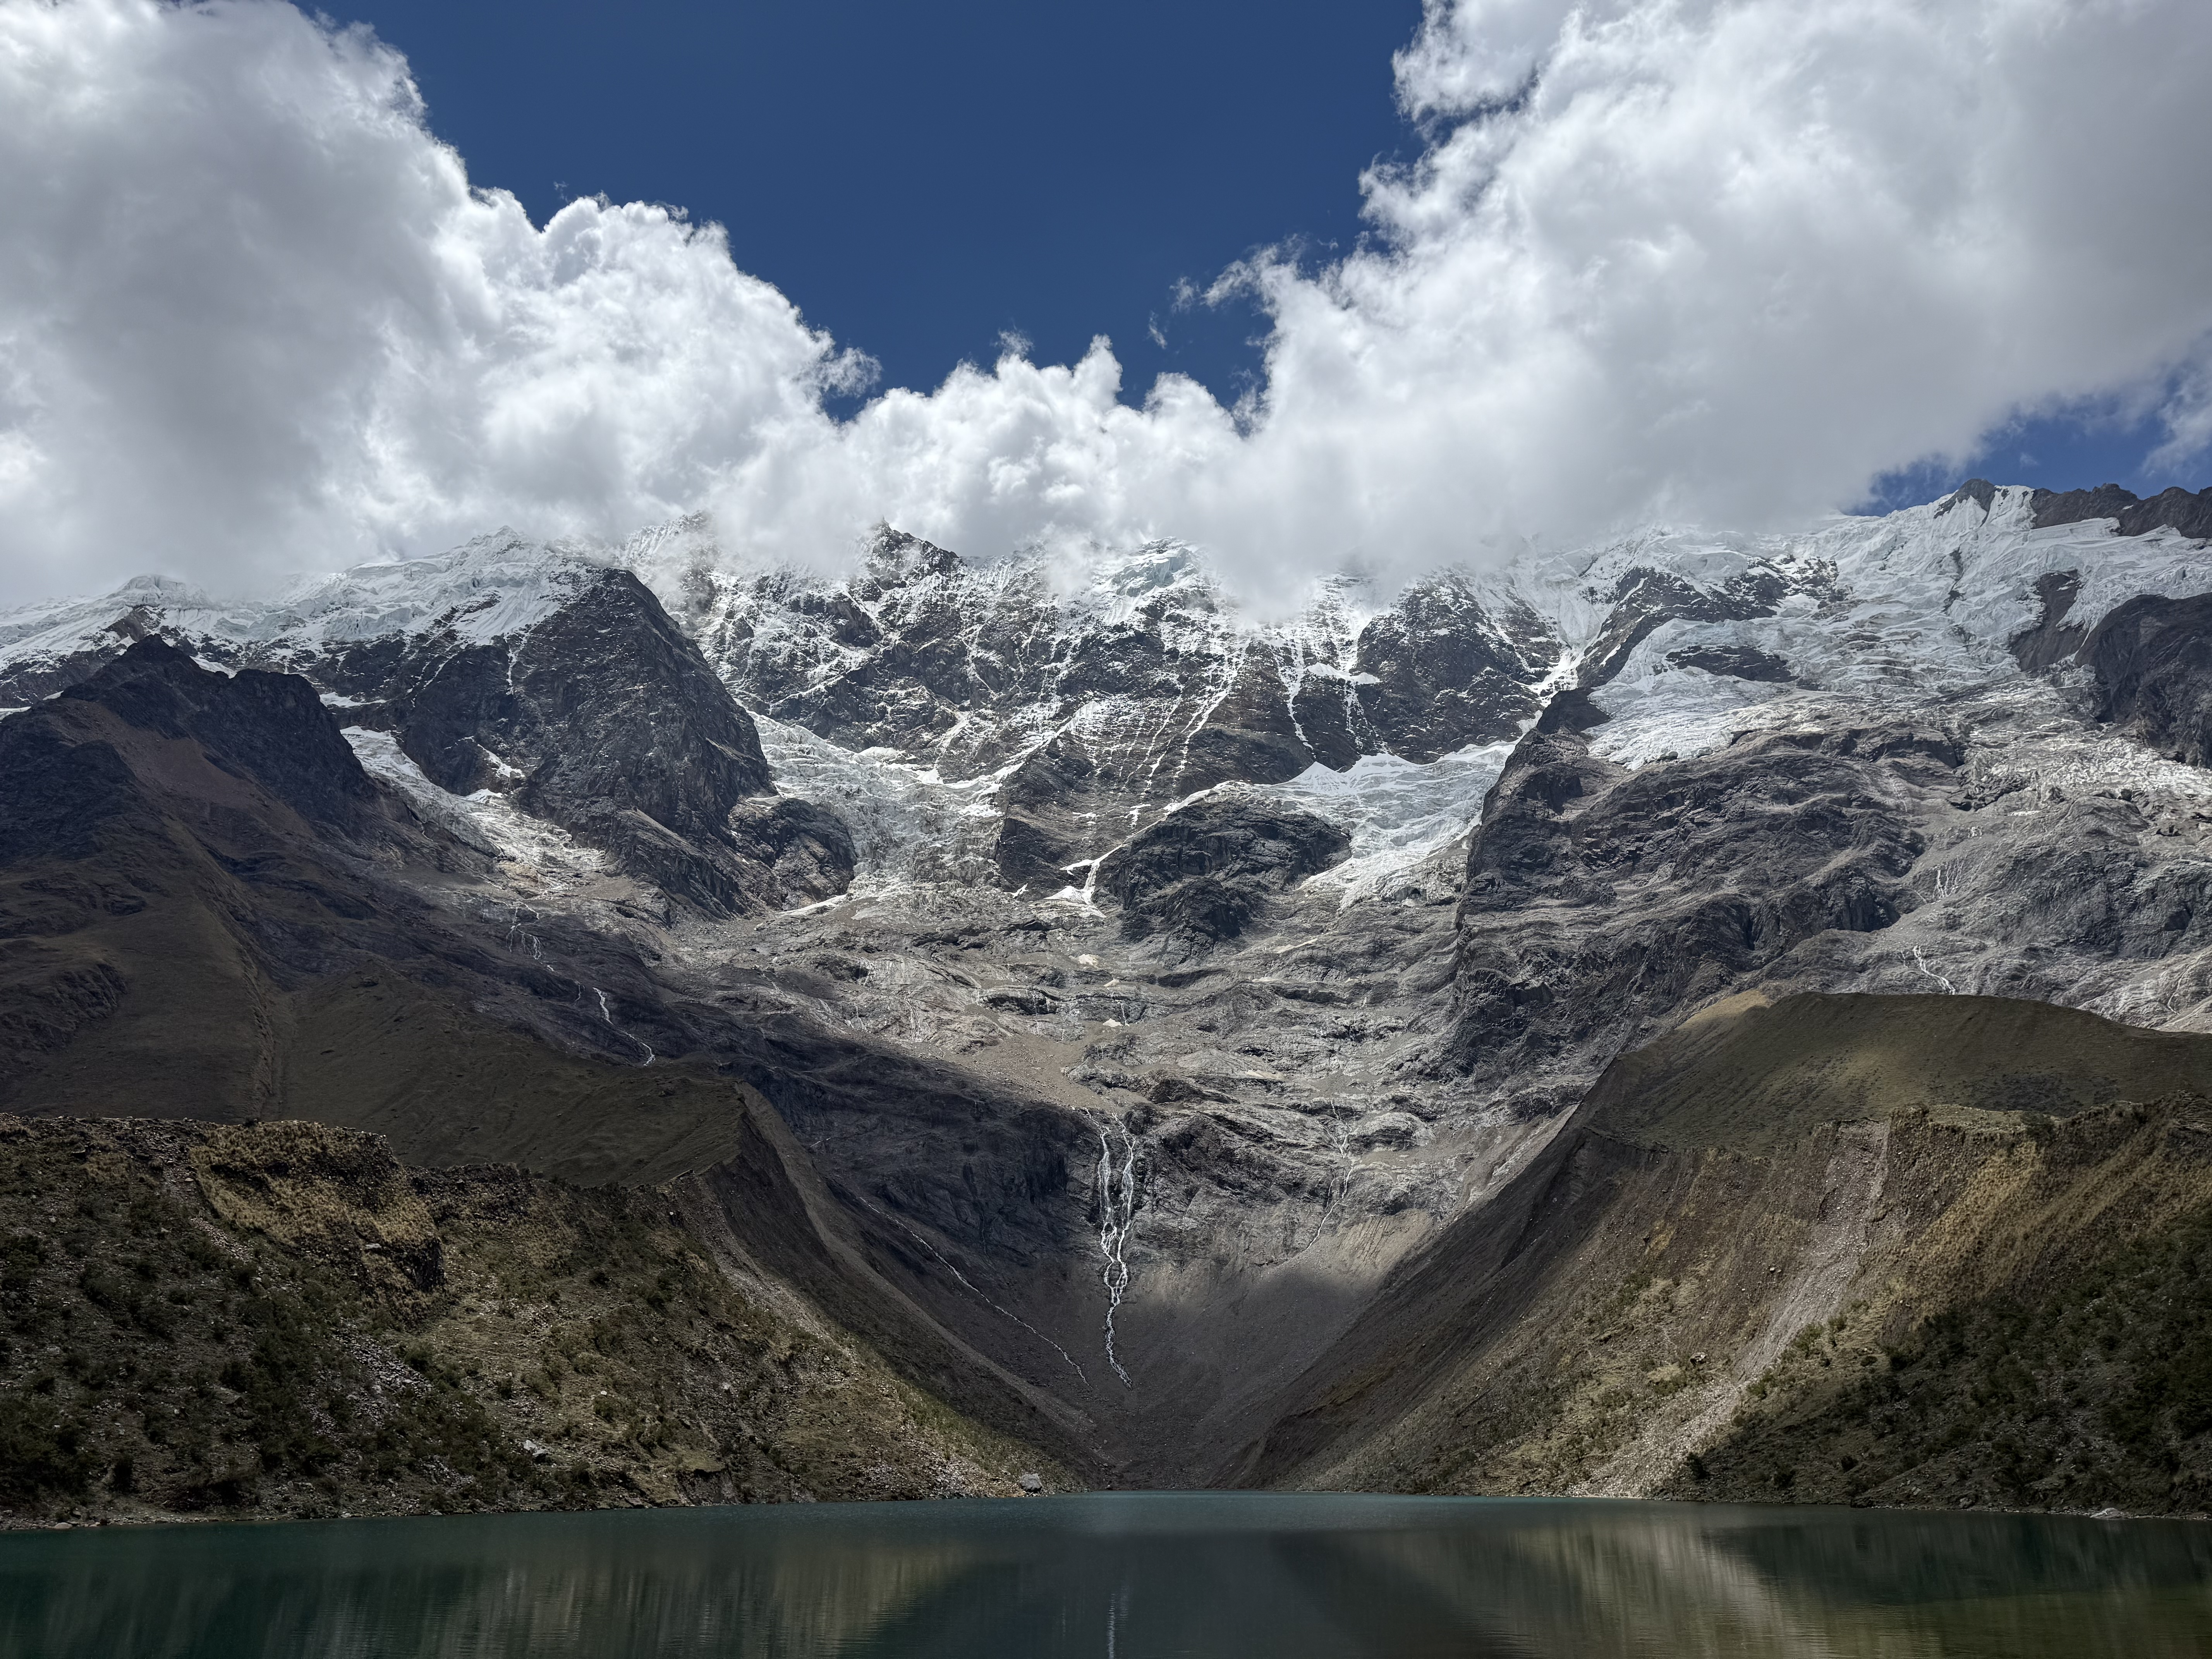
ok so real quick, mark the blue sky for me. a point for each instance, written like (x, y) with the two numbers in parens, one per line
(1526, 272)
(920, 179)
(2075, 448)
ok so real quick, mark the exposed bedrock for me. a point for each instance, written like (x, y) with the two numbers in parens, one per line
(2153, 662)
(1114, 703)
(1741, 662)
(560, 684)
(1044, 828)
(805, 849)
(604, 700)
(1600, 901)
(1448, 670)
(602, 718)
(2053, 639)
(1642, 599)
(67, 764)
(1202, 874)
(2132, 515)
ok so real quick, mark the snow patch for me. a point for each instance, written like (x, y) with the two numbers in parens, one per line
(1398, 812)
(1676, 716)
(909, 824)
(496, 588)
(486, 821)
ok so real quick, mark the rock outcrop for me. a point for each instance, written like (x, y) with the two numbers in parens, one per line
(2152, 659)
(596, 714)
(2171, 509)
(1203, 873)
(154, 723)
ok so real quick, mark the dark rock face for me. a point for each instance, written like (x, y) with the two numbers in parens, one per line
(1251, 735)
(1600, 899)
(1571, 709)
(2053, 639)
(1643, 599)
(1980, 491)
(1201, 875)
(1448, 672)
(271, 727)
(1738, 662)
(62, 796)
(603, 718)
(806, 850)
(605, 701)
(2174, 508)
(1040, 835)
(2053, 507)
(63, 772)
(593, 709)
(2152, 660)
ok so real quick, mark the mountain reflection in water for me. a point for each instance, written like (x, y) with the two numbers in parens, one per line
(1125, 1576)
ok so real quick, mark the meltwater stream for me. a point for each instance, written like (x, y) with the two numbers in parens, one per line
(1134, 1576)
(1117, 1217)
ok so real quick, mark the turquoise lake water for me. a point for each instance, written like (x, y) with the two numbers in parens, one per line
(1123, 1576)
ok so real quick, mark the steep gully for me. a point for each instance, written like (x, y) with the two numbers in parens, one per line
(1153, 989)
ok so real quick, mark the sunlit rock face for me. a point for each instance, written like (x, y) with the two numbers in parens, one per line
(1077, 919)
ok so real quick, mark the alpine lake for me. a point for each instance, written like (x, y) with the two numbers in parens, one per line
(1125, 1576)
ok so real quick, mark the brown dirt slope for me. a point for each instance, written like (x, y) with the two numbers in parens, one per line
(1641, 1293)
(1751, 1076)
(2046, 1343)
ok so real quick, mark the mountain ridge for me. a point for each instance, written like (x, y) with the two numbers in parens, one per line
(1114, 961)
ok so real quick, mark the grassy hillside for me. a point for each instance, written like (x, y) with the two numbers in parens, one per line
(1750, 1076)
(1821, 1245)
(2059, 1355)
(280, 1319)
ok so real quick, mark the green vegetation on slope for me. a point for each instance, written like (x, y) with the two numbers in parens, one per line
(2083, 1381)
(279, 1320)
(1827, 1246)
(1753, 1076)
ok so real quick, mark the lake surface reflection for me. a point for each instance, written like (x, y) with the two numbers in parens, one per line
(1125, 1575)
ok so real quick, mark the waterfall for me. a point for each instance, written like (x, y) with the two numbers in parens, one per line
(1117, 1216)
(607, 1014)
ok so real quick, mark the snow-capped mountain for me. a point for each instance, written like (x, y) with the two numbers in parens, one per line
(1239, 954)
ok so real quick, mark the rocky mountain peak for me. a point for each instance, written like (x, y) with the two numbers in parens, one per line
(2174, 508)
(1108, 951)
(152, 728)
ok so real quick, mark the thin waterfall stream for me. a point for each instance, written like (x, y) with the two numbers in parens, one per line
(1117, 1217)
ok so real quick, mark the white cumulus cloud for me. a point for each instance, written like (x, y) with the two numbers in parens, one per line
(1700, 259)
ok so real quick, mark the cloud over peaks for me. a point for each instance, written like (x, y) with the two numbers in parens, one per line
(1715, 260)
(253, 318)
